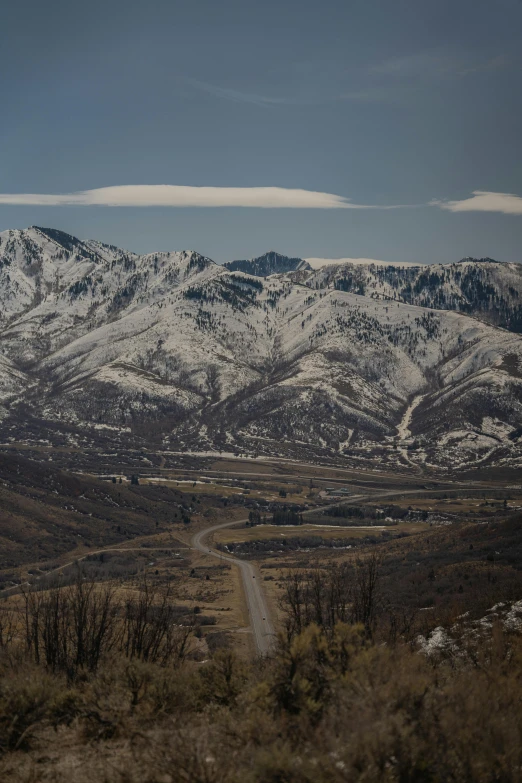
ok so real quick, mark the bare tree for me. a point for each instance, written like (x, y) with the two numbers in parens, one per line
(292, 603)
(150, 630)
(365, 591)
(70, 628)
(7, 627)
(346, 593)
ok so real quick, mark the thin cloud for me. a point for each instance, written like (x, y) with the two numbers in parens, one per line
(494, 64)
(370, 94)
(237, 96)
(186, 196)
(414, 63)
(430, 63)
(484, 201)
(390, 94)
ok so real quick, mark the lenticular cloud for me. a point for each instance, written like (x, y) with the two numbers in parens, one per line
(484, 201)
(184, 196)
(263, 198)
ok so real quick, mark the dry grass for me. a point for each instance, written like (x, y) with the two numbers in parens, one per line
(267, 532)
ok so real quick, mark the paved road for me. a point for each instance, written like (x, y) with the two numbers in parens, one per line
(257, 608)
(261, 625)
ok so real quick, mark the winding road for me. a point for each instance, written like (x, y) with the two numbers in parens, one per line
(262, 628)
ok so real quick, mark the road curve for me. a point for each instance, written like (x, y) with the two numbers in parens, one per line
(262, 628)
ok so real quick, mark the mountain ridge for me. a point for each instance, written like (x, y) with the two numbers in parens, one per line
(173, 349)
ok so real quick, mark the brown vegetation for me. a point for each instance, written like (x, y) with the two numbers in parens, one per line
(107, 674)
(93, 687)
(326, 707)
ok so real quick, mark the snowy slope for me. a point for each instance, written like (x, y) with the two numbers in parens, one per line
(484, 288)
(197, 356)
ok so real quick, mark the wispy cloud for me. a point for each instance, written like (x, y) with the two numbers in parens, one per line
(420, 62)
(237, 96)
(437, 63)
(494, 64)
(322, 97)
(391, 80)
(379, 94)
(186, 196)
(484, 201)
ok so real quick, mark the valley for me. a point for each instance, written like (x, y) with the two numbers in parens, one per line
(261, 392)
(224, 458)
(242, 421)
(229, 514)
(215, 570)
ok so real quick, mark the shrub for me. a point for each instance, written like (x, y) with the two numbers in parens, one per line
(29, 698)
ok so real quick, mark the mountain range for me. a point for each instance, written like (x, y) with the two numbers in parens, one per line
(389, 365)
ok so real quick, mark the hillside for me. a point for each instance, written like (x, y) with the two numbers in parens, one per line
(184, 354)
(46, 512)
(481, 287)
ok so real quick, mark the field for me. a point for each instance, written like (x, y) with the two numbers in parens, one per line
(327, 531)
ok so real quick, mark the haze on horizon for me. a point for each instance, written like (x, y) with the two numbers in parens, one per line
(362, 130)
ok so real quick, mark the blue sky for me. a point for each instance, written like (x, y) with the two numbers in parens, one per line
(411, 104)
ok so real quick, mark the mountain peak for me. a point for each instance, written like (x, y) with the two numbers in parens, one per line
(67, 241)
(270, 263)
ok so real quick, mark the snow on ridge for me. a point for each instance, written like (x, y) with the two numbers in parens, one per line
(319, 263)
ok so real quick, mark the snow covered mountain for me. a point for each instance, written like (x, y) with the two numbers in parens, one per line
(481, 287)
(174, 351)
